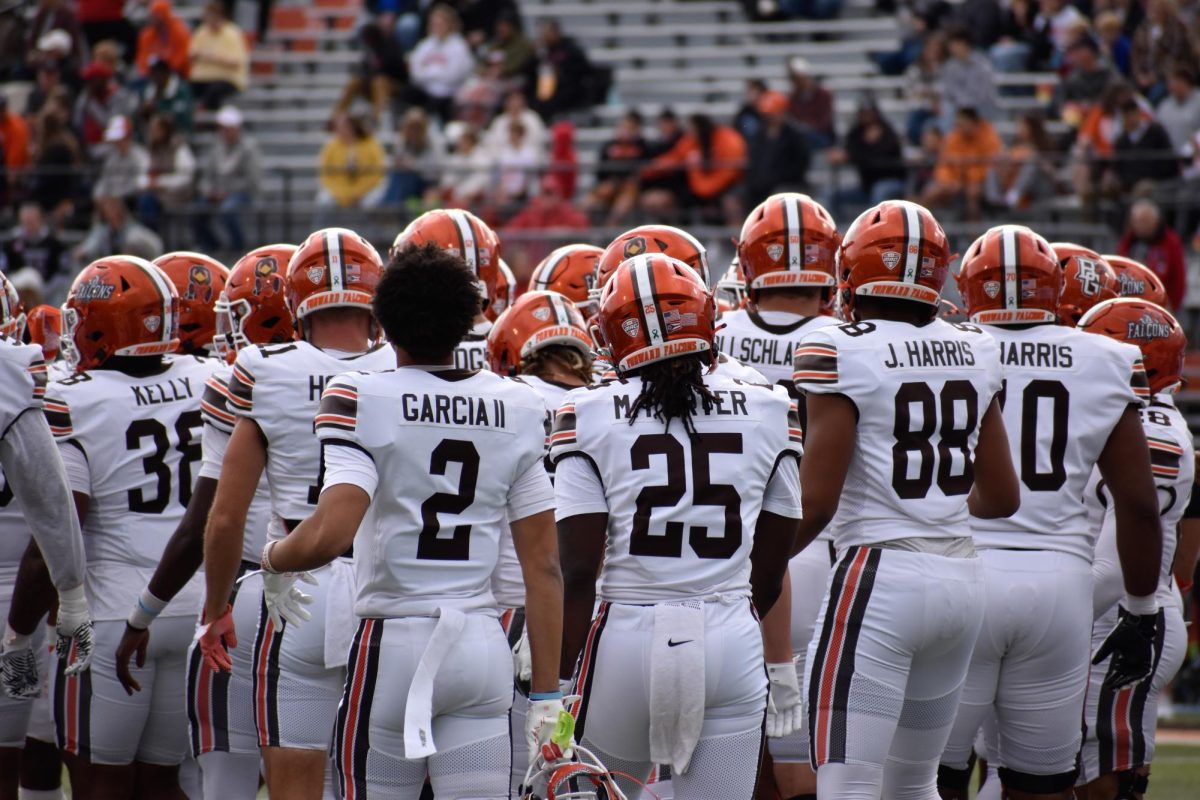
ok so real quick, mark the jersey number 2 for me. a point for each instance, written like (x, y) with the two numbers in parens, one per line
(704, 493)
(456, 547)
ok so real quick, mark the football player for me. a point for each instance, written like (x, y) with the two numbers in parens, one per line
(430, 460)
(1135, 279)
(678, 487)
(571, 271)
(128, 430)
(1070, 403)
(34, 499)
(786, 252)
(904, 435)
(468, 237)
(1120, 721)
(542, 340)
(274, 391)
(251, 309)
(1087, 280)
(199, 281)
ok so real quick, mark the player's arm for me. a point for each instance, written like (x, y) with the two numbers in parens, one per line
(324, 535)
(244, 461)
(1184, 568)
(1125, 466)
(996, 492)
(777, 625)
(536, 542)
(774, 535)
(828, 446)
(581, 540)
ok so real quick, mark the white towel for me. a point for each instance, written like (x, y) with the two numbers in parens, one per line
(340, 623)
(676, 683)
(418, 709)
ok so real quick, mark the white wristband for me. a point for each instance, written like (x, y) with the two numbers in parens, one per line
(1141, 606)
(145, 610)
(266, 558)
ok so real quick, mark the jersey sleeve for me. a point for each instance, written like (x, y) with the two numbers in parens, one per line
(216, 404)
(337, 416)
(782, 495)
(1166, 456)
(795, 440)
(341, 464)
(578, 490)
(532, 493)
(58, 414)
(214, 442)
(815, 364)
(240, 384)
(563, 440)
(1139, 384)
(23, 384)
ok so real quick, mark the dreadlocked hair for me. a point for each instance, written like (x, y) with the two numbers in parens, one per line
(670, 389)
(546, 359)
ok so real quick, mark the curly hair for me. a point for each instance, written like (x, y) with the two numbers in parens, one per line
(426, 302)
(670, 389)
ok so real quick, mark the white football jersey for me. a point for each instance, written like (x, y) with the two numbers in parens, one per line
(681, 509)
(921, 393)
(22, 386)
(447, 456)
(279, 387)
(1064, 391)
(727, 366)
(1172, 460)
(767, 346)
(140, 437)
(508, 583)
(219, 420)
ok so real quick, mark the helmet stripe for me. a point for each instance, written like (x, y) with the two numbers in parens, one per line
(159, 279)
(703, 254)
(643, 290)
(793, 231)
(912, 235)
(1009, 247)
(470, 244)
(337, 269)
(542, 278)
(560, 311)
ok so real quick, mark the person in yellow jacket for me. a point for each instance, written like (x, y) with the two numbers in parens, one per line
(219, 58)
(352, 168)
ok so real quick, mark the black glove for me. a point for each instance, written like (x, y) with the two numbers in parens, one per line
(1131, 645)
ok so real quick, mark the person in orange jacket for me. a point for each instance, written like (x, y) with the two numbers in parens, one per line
(14, 137)
(962, 167)
(166, 36)
(711, 156)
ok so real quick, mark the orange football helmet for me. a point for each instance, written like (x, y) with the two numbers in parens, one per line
(653, 308)
(731, 288)
(1010, 276)
(674, 242)
(44, 324)
(789, 240)
(895, 250)
(12, 318)
(119, 306)
(536, 320)
(1135, 279)
(463, 234)
(571, 271)
(253, 309)
(1150, 327)
(333, 268)
(1087, 280)
(506, 293)
(199, 281)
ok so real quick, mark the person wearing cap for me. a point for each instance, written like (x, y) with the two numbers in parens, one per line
(101, 101)
(166, 92)
(219, 58)
(778, 153)
(166, 36)
(50, 16)
(125, 161)
(811, 104)
(229, 175)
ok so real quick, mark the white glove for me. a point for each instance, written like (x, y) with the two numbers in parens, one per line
(284, 602)
(784, 705)
(540, 721)
(522, 661)
(74, 628)
(19, 667)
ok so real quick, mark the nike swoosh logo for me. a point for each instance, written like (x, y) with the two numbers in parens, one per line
(673, 643)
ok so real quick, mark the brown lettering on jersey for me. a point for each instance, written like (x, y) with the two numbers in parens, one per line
(730, 403)
(155, 394)
(1039, 355)
(931, 353)
(453, 410)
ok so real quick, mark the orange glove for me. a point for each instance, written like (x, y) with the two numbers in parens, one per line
(216, 639)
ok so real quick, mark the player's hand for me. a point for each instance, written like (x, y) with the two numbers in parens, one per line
(522, 664)
(784, 704)
(1131, 645)
(19, 667)
(216, 639)
(541, 723)
(133, 645)
(284, 602)
(74, 631)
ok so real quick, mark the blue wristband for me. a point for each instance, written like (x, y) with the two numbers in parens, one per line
(535, 696)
